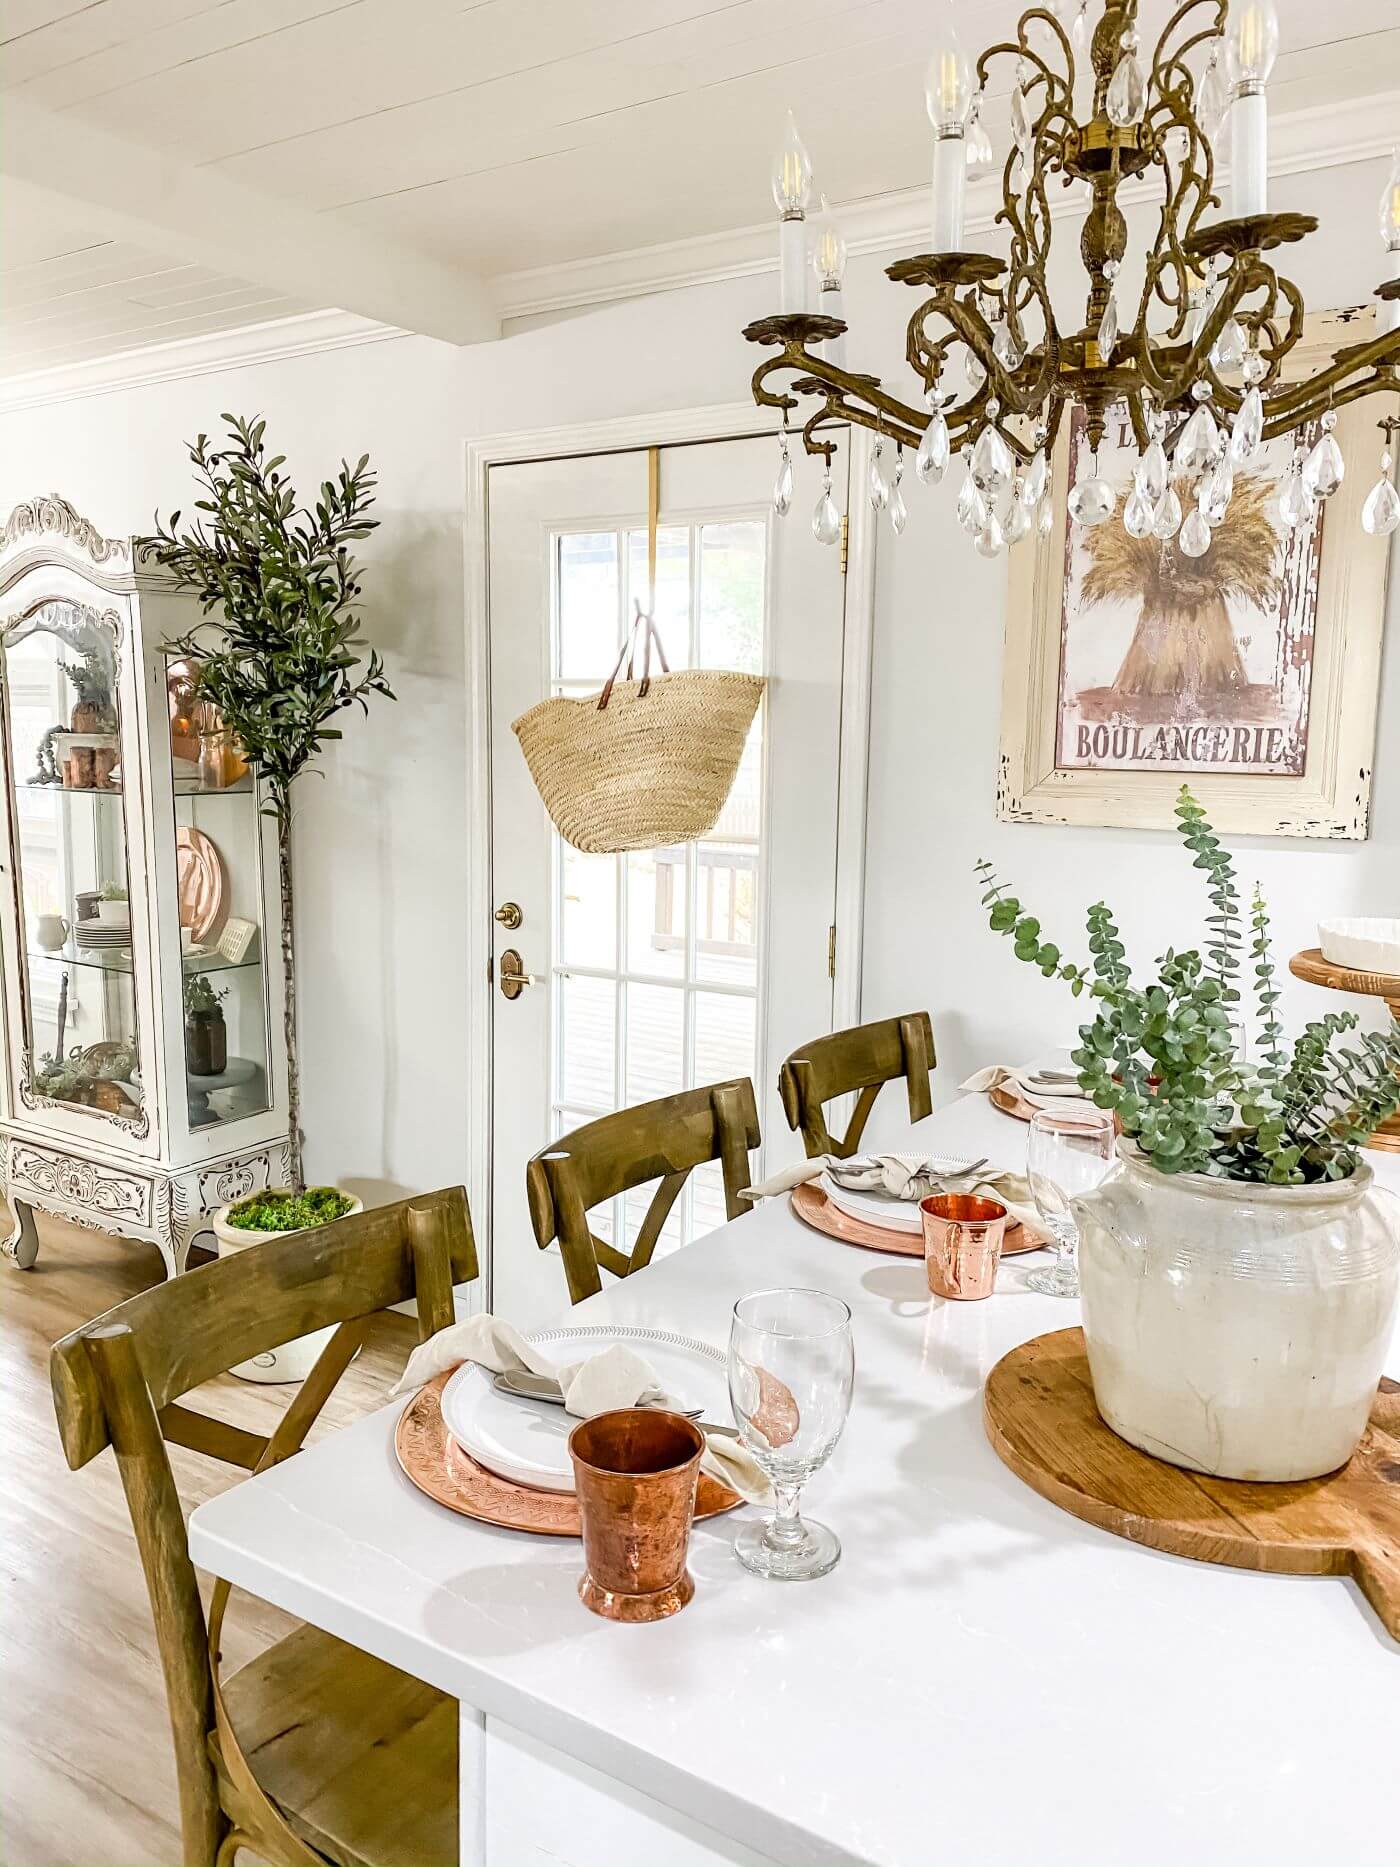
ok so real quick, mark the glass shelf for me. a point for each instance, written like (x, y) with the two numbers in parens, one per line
(184, 787)
(118, 959)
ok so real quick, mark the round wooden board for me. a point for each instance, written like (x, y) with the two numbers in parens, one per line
(1038, 1407)
(813, 1207)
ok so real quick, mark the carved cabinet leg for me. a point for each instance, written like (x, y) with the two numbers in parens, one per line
(22, 1245)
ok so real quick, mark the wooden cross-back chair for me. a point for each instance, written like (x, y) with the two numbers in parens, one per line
(864, 1058)
(663, 1140)
(313, 1753)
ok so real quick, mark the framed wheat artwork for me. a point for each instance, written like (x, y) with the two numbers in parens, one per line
(1252, 673)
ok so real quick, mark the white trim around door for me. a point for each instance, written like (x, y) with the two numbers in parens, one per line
(668, 428)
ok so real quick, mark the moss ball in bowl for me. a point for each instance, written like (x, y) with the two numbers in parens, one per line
(290, 1212)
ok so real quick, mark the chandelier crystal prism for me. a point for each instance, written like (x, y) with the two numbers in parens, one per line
(1195, 359)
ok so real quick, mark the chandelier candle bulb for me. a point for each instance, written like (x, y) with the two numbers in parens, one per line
(829, 264)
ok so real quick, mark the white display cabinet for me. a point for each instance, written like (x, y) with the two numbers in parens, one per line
(145, 1073)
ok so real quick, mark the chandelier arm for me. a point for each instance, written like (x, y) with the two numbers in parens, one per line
(1165, 56)
(1058, 85)
(809, 432)
(838, 408)
(764, 397)
(1299, 414)
(1241, 281)
(832, 380)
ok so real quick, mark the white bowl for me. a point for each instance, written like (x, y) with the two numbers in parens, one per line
(1365, 945)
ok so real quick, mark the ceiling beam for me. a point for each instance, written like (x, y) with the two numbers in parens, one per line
(197, 215)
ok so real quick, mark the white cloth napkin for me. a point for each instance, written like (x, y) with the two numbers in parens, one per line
(1020, 1077)
(906, 1177)
(616, 1377)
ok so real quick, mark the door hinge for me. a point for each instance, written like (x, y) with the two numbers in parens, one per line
(845, 541)
(831, 952)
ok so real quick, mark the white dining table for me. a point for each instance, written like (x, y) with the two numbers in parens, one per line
(983, 1681)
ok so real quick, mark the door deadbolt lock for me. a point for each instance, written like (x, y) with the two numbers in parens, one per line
(509, 915)
(513, 979)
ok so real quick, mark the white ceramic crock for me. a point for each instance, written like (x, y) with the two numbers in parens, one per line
(1234, 1329)
(292, 1361)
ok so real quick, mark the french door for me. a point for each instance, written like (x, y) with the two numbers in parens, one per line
(664, 969)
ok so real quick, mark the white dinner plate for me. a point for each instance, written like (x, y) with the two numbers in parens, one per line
(528, 1441)
(872, 1208)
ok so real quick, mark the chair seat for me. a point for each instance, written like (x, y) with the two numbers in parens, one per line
(360, 1758)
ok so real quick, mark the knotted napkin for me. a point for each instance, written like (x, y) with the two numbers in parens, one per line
(1021, 1078)
(905, 1177)
(615, 1377)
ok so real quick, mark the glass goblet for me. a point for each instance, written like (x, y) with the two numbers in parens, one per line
(1067, 1155)
(791, 1370)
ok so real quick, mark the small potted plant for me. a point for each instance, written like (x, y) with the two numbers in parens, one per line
(1240, 1273)
(206, 1034)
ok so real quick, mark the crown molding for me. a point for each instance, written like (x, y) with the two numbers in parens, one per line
(271, 341)
(1304, 141)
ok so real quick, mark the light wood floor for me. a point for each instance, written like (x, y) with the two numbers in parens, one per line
(86, 1773)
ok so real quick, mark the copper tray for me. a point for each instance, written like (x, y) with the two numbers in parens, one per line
(813, 1207)
(430, 1458)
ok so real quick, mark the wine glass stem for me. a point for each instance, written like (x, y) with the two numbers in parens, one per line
(784, 1528)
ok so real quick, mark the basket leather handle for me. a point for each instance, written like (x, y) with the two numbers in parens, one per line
(643, 627)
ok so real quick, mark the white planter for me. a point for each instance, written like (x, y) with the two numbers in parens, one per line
(293, 1361)
(1237, 1330)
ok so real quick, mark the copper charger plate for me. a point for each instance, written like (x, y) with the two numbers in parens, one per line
(813, 1207)
(431, 1459)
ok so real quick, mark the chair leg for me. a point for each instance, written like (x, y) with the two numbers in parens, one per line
(229, 1847)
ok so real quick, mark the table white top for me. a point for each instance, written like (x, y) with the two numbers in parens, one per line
(983, 1682)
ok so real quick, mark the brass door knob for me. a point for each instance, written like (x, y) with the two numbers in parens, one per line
(509, 915)
(513, 979)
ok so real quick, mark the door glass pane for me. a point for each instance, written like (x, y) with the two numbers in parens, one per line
(219, 859)
(588, 1042)
(726, 934)
(655, 1041)
(731, 596)
(724, 1036)
(672, 612)
(589, 907)
(63, 745)
(587, 606)
(658, 884)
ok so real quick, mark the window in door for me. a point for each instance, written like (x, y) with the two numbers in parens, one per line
(655, 954)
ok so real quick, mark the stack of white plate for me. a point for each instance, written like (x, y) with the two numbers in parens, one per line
(527, 1441)
(97, 936)
(874, 1208)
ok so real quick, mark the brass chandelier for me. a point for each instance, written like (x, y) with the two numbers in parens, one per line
(1195, 363)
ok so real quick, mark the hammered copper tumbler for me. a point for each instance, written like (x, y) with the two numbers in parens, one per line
(963, 1236)
(635, 1472)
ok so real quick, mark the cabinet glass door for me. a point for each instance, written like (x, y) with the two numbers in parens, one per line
(63, 752)
(219, 862)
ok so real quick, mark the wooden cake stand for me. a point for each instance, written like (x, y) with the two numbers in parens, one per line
(1311, 965)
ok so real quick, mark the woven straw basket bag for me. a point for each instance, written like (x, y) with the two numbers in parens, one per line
(647, 762)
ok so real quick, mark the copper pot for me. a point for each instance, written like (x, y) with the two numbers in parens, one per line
(635, 1472)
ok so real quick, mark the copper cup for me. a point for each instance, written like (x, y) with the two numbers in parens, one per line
(635, 1472)
(963, 1236)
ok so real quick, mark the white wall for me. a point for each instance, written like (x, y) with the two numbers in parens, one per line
(380, 842)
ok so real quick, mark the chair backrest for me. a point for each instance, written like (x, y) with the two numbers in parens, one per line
(663, 1140)
(864, 1058)
(118, 1381)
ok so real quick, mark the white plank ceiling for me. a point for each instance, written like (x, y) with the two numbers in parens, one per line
(483, 136)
